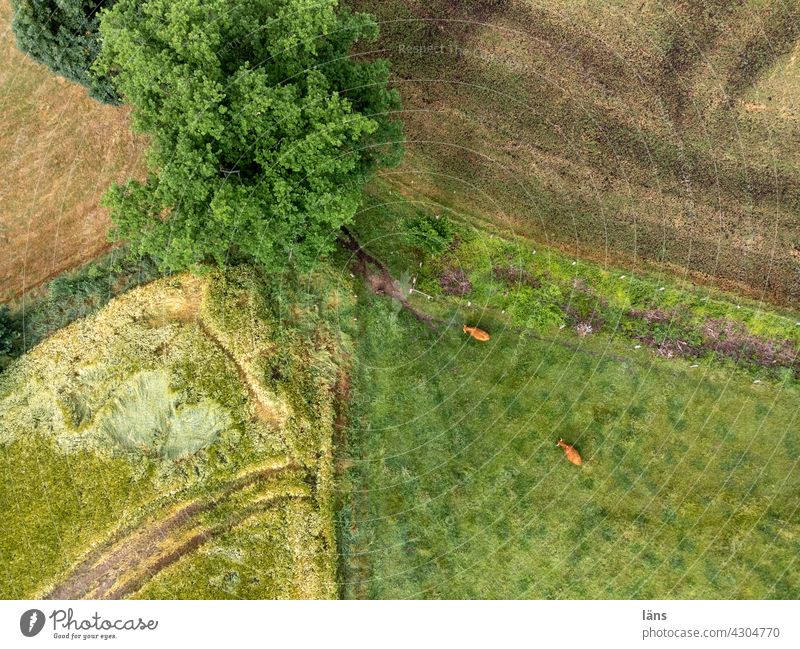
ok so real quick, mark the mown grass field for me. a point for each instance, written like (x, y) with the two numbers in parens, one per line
(178, 432)
(59, 151)
(691, 481)
(633, 133)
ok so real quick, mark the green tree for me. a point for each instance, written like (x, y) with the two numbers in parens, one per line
(63, 34)
(263, 126)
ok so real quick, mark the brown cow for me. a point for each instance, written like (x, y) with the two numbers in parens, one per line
(477, 334)
(570, 451)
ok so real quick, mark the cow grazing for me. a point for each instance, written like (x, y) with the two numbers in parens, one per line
(477, 334)
(570, 451)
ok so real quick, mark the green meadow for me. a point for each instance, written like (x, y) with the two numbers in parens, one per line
(609, 190)
(690, 487)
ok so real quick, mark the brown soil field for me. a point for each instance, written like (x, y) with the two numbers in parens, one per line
(636, 132)
(59, 151)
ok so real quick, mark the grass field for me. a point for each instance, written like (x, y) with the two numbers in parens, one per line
(691, 481)
(178, 430)
(447, 481)
(690, 487)
(628, 132)
(59, 151)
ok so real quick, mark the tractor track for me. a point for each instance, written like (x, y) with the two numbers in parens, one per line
(192, 543)
(100, 573)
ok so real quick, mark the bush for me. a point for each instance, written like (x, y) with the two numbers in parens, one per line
(8, 332)
(454, 281)
(431, 234)
(63, 35)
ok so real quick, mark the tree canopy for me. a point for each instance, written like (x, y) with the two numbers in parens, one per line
(264, 127)
(63, 34)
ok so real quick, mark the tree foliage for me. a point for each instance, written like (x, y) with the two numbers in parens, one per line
(8, 332)
(264, 128)
(63, 34)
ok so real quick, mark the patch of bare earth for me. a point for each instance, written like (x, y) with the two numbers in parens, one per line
(377, 277)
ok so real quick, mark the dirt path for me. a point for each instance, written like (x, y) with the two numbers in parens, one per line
(163, 560)
(379, 280)
(148, 548)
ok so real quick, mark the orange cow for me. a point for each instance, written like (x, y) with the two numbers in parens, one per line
(570, 451)
(477, 334)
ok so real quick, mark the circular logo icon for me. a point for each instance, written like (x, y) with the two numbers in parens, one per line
(31, 622)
